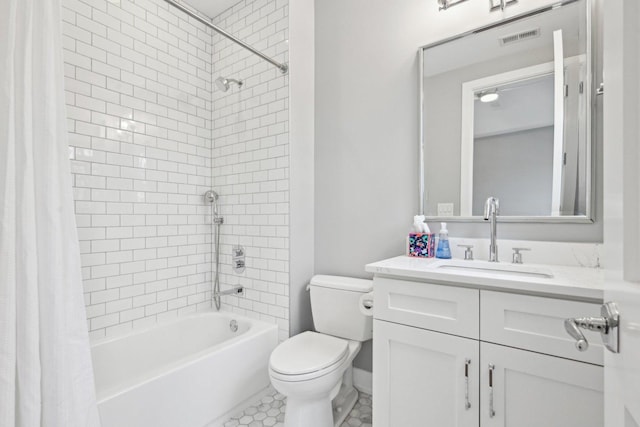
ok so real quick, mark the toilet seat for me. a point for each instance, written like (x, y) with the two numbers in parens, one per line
(308, 355)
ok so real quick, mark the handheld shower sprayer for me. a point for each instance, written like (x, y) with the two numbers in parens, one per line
(212, 198)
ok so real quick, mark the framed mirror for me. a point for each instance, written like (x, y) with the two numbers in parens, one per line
(506, 111)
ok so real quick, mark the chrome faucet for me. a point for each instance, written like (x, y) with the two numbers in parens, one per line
(491, 211)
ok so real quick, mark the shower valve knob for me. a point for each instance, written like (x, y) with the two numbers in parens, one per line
(239, 263)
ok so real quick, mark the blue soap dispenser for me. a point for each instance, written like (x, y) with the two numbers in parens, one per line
(443, 251)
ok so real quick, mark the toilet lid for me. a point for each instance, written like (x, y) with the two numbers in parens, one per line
(307, 352)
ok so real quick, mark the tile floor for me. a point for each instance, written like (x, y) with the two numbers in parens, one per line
(269, 411)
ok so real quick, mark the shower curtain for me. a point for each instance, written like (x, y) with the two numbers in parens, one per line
(46, 376)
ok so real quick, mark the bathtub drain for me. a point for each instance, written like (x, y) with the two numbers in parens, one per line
(233, 325)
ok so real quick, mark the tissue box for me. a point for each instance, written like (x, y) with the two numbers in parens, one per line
(422, 245)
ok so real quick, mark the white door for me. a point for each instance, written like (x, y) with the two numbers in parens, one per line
(520, 388)
(622, 206)
(423, 378)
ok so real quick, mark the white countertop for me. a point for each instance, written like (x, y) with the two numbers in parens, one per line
(578, 283)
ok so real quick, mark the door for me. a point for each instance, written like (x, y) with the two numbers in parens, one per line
(520, 388)
(621, 207)
(423, 378)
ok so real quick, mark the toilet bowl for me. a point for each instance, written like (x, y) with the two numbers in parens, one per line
(314, 369)
(309, 370)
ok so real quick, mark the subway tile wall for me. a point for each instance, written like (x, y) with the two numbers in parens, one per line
(251, 158)
(138, 82)
(149, 135)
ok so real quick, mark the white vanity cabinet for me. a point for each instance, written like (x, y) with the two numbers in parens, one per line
(521, 388)
(454, 355)
(424, 377)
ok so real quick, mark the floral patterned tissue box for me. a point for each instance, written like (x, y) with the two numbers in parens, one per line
(422, 245)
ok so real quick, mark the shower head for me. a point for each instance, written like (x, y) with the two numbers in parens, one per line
(224, 83)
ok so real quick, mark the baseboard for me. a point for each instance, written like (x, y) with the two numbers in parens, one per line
(363, 380)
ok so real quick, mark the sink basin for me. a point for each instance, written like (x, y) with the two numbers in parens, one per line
(493, 268)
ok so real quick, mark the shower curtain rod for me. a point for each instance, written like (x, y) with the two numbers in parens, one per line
(284, 68)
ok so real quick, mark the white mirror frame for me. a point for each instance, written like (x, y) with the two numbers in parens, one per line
(469, 89)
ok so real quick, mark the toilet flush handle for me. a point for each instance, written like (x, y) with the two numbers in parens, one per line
(366, 304)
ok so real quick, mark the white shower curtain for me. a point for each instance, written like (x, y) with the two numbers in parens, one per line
(46, 377)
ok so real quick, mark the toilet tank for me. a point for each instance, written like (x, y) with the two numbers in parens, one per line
(335, 306)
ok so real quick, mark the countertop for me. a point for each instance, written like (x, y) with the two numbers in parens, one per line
(576, 283)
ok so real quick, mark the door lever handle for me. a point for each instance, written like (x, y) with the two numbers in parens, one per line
(607, 325)
(571, 326)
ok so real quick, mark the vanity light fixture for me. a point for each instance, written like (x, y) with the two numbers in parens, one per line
(445, 4)
(493, 4)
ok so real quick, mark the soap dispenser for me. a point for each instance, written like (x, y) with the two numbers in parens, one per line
(443, 251)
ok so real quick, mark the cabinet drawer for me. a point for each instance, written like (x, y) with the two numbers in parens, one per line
(448, 309)
(537, 324)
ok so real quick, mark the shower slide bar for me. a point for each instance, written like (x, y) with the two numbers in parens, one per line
(284, 68)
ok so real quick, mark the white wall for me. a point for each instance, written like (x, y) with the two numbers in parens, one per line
(251, 158)
(138, 82)
(366, 188)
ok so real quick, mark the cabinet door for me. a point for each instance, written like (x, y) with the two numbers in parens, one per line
(423, 378)
(527, 389)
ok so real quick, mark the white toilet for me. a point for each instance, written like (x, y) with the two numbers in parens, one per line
(313, 369)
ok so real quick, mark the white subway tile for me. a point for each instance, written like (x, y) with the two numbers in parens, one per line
(138, 187)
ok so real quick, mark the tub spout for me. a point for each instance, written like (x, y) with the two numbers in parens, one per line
(236, 290)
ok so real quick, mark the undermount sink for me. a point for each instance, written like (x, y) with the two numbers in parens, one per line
(493, 268)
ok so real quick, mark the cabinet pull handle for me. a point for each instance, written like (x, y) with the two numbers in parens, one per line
(492, 412)
(467, 404)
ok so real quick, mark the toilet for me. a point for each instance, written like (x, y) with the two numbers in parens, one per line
(314, 369)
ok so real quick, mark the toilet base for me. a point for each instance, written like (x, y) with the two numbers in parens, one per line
(311, 413)
(343, 403)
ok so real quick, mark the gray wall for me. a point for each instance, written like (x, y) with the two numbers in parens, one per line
(301, 134)
(366, 154)
(517, 168)
(443, 123)
(366, 133)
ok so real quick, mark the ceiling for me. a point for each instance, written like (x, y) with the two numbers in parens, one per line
(211, 8)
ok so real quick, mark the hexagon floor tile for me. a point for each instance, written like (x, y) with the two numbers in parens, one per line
(269, 412)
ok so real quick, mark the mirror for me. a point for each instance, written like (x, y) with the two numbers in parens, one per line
(506, 112)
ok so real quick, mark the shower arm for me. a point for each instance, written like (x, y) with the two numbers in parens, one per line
(284, 68)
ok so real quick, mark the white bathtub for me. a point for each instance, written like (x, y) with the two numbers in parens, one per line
(186, 373)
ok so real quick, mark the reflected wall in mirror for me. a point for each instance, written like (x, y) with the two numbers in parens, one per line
(506, 112)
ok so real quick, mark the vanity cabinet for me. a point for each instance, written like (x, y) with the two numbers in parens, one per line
(424, 378)
(448, 355)
(521, 388)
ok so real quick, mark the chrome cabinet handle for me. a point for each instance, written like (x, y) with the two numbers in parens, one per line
(467, 403)
(492, 412)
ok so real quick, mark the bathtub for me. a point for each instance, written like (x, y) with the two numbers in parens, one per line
(186, 373)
